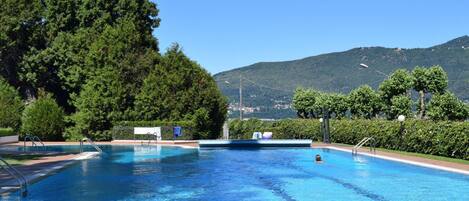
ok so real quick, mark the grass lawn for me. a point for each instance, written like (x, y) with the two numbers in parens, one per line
(428, 156)
(15, 159)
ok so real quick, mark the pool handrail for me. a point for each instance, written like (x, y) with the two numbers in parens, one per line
(363, 142)
(33, 139)
(17, 175)
(91, 143)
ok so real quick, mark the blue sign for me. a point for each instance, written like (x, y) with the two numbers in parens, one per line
(177, 131)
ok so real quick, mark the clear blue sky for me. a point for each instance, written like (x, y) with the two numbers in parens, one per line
(226, 34)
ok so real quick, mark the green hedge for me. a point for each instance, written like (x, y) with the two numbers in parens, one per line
(444, 138)
(6, 132)
(124, 130)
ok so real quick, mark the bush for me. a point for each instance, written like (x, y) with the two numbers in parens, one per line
(11, 106)
(244, 129)
(43, 118)
(447, 107)
(444, 138)
(6, 132)
(297, 129)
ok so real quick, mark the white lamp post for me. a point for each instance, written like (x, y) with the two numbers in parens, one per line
(401, 118)
(362, 65)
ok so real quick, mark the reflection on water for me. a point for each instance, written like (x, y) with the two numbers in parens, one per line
(172, 173)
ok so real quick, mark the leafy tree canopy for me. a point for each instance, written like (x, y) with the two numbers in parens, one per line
(398, 83)
(400, 105)
(101, 62)
(11, 106)
(306, 104)
(447, 107)
(365, 102)
(178, 88)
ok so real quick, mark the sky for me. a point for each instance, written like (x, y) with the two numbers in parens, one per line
(226, 34)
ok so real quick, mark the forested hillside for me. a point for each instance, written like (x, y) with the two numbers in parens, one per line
(274, 82)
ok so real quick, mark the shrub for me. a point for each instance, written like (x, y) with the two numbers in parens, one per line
(11, 106)
(444, 138)
(244, 129)
(43, 118)
(6, 132)
(447, 107)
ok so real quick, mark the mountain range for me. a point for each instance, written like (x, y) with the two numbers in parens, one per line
(268, 86)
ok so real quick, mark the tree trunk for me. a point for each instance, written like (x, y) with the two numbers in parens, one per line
(29, 94)
(422, 104)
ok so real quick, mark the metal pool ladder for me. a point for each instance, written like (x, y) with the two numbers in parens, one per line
(23, 183)
(363, 142)
(34, 140)
(91, 143)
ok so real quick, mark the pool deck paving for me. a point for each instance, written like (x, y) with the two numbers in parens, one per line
(48, 164)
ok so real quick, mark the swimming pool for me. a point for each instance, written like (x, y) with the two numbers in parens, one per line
(173, 173)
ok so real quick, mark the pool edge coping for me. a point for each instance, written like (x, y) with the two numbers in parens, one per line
(51, 169)
(421, 164)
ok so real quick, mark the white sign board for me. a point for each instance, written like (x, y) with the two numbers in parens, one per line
(148, 131)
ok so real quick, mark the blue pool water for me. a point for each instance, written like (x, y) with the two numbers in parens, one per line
(171, 173)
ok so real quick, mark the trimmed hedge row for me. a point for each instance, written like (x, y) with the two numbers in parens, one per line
(6, 132)
(450, 139)
(124, 130)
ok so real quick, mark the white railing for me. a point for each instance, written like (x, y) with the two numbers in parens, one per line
(363, 142)
(91, 143)
(22, 182)
(34, 139)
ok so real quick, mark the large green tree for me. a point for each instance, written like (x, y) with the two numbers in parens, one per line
(336, 104)
(97, 57)
(447, 106)
(179, 89)
(305, 103)
(433, 79)
(21, 31)
(400, 105)
(83, 36)
(398, 83)
(101, 102)
(11, 106)
(365, 102)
